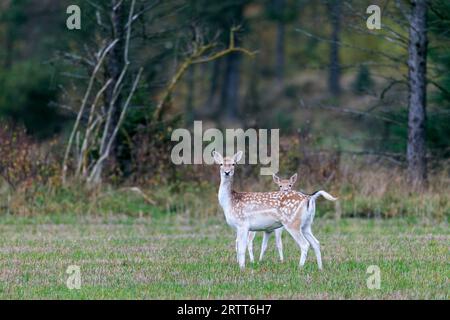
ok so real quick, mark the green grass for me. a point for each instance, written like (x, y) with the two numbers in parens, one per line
(175, 257)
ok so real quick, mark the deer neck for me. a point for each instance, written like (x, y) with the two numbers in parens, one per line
(225, 194)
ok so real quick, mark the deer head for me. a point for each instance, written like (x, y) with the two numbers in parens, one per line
(285, 184)
(227, 164)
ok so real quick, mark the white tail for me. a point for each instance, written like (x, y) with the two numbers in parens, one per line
(324, 194)
(312, 205)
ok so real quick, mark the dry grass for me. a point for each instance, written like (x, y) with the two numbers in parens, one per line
(380, 192)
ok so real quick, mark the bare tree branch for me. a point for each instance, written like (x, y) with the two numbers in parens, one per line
(103, 54)
(196, 57)
(94, 177)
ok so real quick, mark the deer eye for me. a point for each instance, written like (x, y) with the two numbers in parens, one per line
(221, 164)
(290, 185)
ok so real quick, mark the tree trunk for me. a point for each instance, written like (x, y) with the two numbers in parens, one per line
(417, 69)
(211, 105)
(334, 8)
(190, 115)
(9, 45)
(279, 50)
(114, 67)
(230, 90)
(252, 99)
(229, 99)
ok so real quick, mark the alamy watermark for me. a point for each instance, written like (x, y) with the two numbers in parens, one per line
(74, 279)
(374, 280)
(374, 20)
(191, 150)
(73, 21)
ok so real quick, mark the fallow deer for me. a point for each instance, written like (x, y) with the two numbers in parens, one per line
(266, 211)
(284, 186)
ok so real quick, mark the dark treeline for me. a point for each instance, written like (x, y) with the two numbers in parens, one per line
(311, 68)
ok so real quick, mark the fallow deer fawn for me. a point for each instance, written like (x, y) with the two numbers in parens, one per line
(284, 185)
(266, 211)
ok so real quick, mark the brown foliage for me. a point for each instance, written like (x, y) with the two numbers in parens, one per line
(22, 162)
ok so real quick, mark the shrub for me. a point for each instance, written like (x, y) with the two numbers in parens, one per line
(24, 163)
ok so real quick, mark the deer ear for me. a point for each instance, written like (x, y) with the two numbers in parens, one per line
(293, 179)
(275, 178)
(217, 157)
(237, 157)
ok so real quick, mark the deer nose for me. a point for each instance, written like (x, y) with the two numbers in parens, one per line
(227, 173)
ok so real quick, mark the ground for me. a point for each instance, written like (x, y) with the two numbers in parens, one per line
(176, 257)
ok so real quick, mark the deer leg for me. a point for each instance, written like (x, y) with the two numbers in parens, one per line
(242, 236)
(301, 241)
(279, 242)
(251, 236)
(264, 244)
(314, 243)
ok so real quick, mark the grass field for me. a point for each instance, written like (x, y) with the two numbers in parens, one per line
(175, 257)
